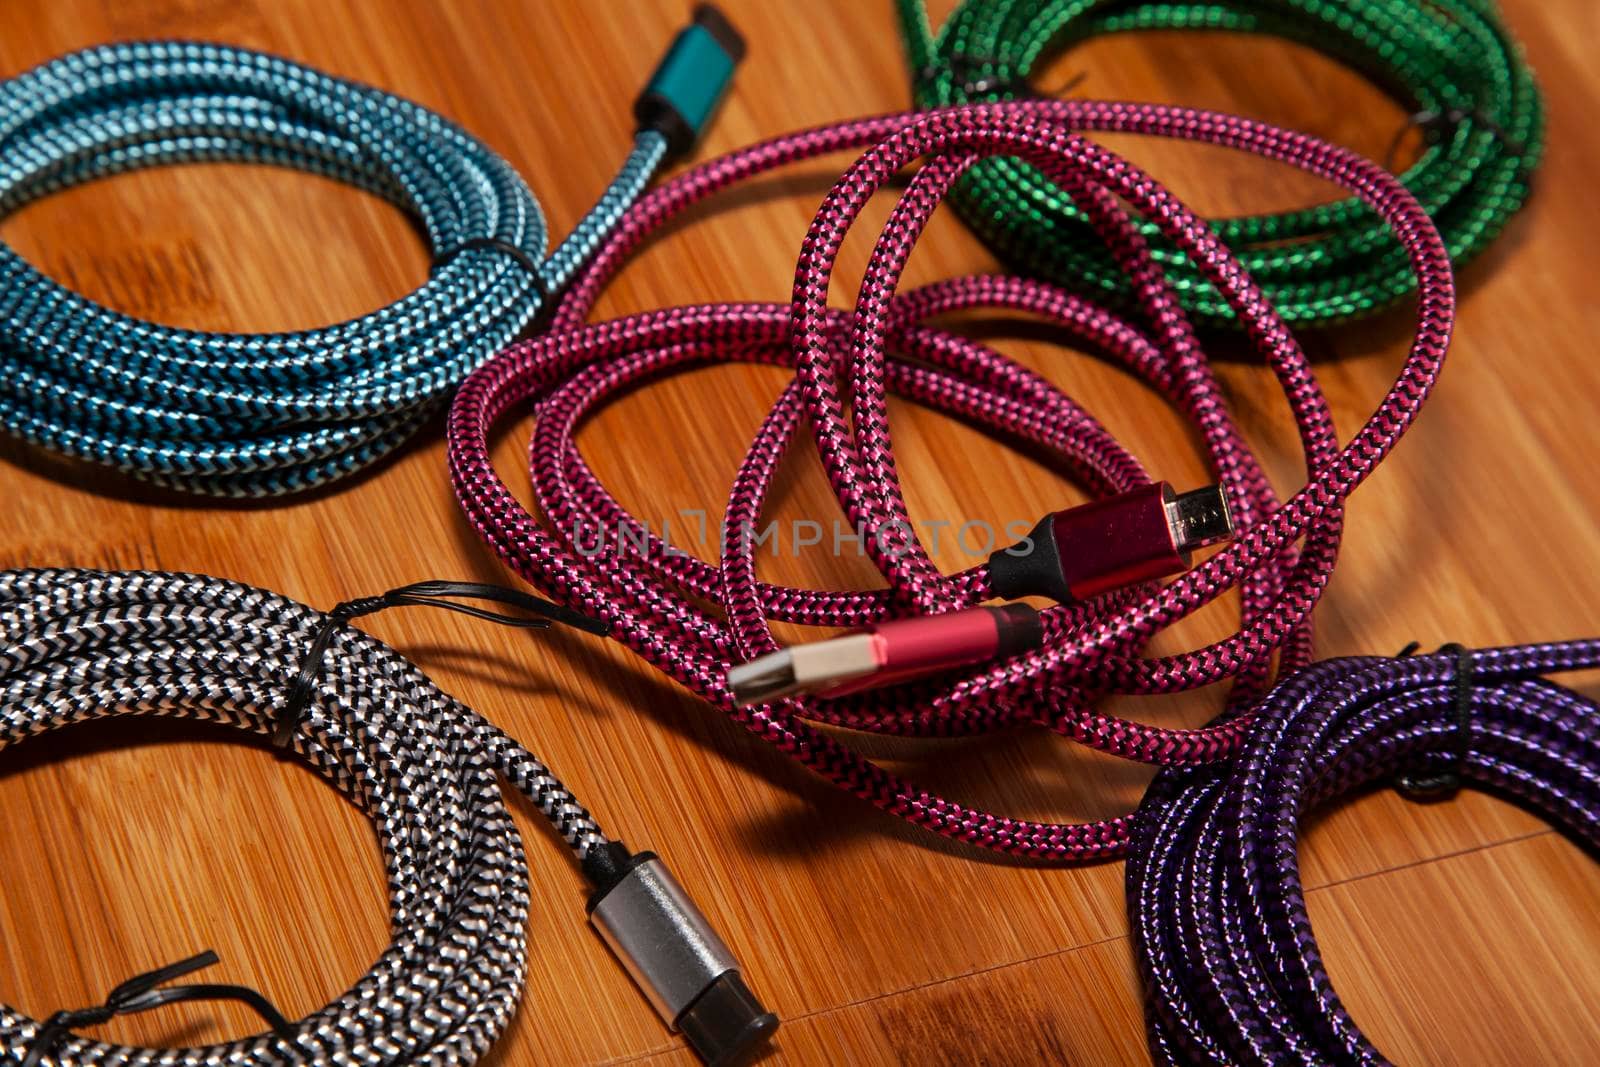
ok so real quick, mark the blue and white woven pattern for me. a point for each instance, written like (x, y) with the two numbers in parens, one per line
(248, 415)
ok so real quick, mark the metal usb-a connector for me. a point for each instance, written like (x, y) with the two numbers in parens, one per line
(890, 652)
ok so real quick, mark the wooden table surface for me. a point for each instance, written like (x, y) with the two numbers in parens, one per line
(1462, 932)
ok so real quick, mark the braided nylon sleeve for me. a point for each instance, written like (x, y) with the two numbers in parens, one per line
(253, 415)
(1451, 62)
(654, 599)
(81, 645)
(1231, 965)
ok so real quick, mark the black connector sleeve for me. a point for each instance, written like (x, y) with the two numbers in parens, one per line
(691, 79)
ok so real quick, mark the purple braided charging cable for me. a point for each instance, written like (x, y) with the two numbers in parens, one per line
(1232, 971)
(654, 598)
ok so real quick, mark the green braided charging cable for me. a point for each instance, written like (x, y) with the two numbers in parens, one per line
(1452, 62)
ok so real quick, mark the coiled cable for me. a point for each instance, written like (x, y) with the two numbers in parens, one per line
(426, 769)
(238, 415)
(1452, 63)
(1232, 970)
(655, 598)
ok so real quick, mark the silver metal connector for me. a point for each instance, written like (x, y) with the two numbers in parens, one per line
(685, 969)
(1199, 518)
(804, 668)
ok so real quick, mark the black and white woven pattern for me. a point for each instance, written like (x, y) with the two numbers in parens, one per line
(79, 645)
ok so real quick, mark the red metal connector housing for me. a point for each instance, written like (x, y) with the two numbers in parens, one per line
(1133, 537)
(890, 652)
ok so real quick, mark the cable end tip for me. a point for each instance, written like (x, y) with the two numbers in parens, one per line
(727, 1025)
(683, 966)
(1199, 518)
(709, 17)
(814, 667)
(762, 679)
(691, 80)
(588, 624)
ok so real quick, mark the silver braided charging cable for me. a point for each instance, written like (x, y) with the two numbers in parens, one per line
(81, 645)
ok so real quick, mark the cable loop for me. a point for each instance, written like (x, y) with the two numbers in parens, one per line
(431, 775)
(1318, 265)
(693, 618)
(1228, 957)
(256, 415)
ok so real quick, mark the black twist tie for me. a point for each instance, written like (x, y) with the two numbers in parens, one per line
(1435, 124)
(1021, 87)
(142, 993)
(966, 68)
(434, 594)
(493, 244)
(958, 64)
(1446, 784)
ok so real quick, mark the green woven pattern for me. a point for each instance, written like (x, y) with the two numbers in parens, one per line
(1451, 61)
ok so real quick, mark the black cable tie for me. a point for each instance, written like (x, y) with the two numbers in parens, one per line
(494, 244)
(966, 66)
(956, 63)
(1433, 123)
(1021, 87)
(432, 594)
(995, 83)
(143, 993)
(1445, 784)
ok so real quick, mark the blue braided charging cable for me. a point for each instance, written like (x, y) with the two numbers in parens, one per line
(250, 415)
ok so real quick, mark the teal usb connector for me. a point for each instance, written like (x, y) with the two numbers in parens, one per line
(691, 80)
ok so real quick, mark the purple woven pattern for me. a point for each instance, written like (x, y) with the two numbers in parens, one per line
(1231, 968)
(847, 362)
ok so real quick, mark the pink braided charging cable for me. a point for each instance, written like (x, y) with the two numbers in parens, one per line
(1282, 558)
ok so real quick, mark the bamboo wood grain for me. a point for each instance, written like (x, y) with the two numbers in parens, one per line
(127, 847)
